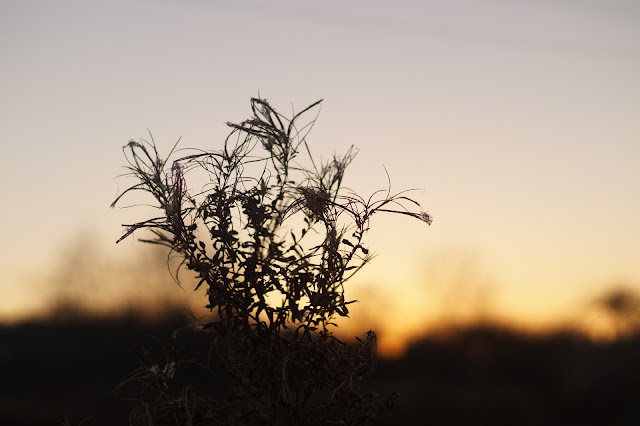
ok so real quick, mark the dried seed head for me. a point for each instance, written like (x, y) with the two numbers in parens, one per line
(315, 200)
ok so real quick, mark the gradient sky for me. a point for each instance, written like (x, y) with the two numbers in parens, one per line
(517, 119)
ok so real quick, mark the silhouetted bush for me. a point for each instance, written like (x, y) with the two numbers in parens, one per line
(274, 236)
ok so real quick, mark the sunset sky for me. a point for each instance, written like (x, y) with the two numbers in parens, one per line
(517, 120)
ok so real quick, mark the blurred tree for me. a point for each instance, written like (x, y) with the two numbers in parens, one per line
(621, 306)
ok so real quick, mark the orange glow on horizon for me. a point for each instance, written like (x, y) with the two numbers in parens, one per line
(88, 281)
(394, 337)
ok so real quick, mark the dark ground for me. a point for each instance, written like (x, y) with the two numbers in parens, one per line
(483, 375)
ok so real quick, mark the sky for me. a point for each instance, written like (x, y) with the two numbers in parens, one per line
(516, 121)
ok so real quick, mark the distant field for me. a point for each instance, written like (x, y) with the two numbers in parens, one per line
(478, 376)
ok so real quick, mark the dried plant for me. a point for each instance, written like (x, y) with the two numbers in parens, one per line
(274, 236)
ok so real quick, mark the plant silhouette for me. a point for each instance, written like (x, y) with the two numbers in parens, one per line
(273, 235)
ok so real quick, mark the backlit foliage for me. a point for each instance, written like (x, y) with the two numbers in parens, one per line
(274, 236)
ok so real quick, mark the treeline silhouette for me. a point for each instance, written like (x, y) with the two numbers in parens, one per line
(66, 368)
